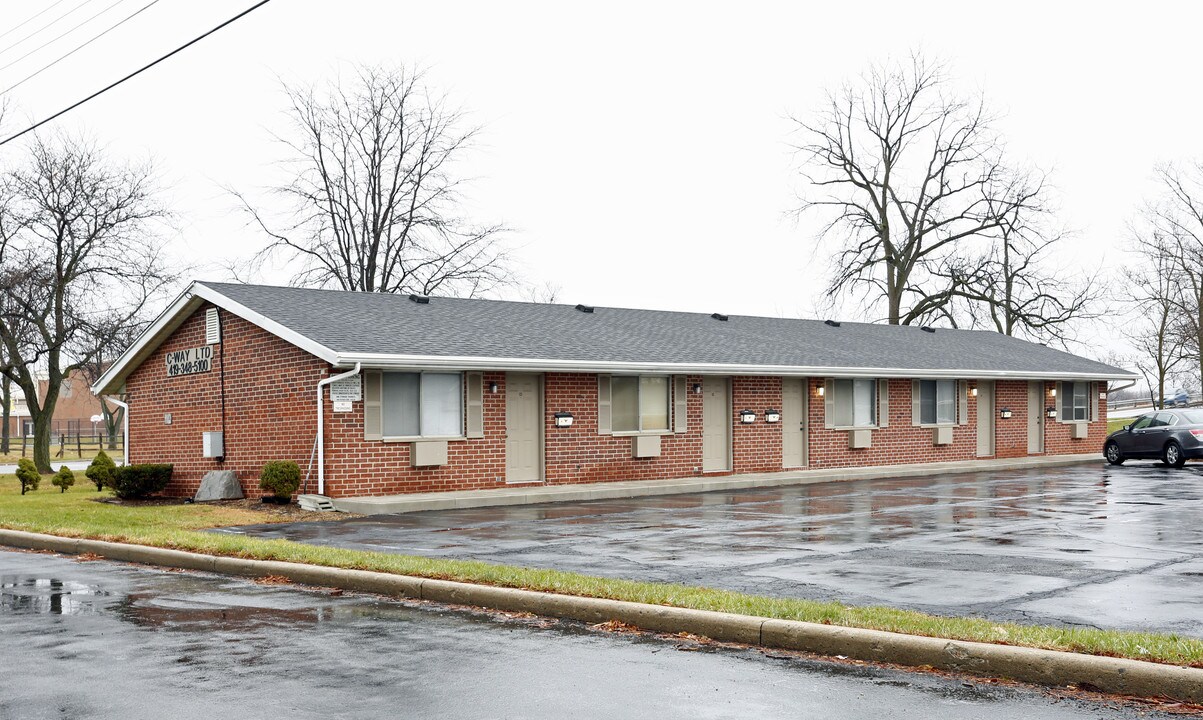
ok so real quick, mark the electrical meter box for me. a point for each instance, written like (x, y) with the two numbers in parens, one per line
(214, 447)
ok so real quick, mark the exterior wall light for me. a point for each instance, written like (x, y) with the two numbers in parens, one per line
(1051, 412)
(747, 417)
(493, 387)
(772, 416)
(563, 419)
(1053, 392)
(973, 392)
(822, 390)
(1005, 413)
(697, 388)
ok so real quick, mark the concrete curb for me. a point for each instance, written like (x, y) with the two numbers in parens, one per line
(1042, 667)
(627, 489)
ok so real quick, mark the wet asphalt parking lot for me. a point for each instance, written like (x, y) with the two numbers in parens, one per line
(1087, 545)
(106, 640)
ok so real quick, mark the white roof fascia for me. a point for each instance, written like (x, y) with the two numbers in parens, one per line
(174, 315)
(424, 362)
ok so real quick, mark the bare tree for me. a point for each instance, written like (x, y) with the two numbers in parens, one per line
(100, 342)
(1159, 335)
(547, 293)
(76, 245)
(1176, 220)
(373, 203)
(1017, 287)
(909, 172)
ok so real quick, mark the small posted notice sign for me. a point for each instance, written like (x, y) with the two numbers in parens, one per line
(347, 390)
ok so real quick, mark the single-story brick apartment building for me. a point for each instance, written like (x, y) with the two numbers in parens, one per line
(376, 394)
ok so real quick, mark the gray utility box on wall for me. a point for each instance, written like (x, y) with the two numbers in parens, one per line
(214, 445)
(645, 446)
(860, 439)
(428, 453)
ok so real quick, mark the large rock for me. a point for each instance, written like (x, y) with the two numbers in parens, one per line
(219, 485)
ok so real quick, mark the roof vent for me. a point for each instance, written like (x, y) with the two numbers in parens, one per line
(928, 329)
(420, 299)
(719, 316)
(585, 308)
(832, 323)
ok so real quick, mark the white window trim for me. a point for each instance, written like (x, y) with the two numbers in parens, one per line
(876, 408)
(955, 399)
(1059, 404)
(644, 433)
(463, 410)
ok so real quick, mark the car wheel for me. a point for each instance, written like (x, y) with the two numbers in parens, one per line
(1172, 455)
(1113, 455)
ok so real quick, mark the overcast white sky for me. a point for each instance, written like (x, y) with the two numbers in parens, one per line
(638, 149)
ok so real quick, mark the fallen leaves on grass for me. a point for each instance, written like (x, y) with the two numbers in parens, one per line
(88, 557)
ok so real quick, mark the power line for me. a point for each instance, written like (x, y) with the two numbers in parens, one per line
(60, 36)
(49, 24)
(31, 18)
(91, 40)
(137, 72)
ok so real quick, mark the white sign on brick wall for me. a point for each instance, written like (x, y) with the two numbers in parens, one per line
(347, 390)
(187, 362)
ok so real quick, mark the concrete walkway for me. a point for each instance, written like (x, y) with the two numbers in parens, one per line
(538, 494)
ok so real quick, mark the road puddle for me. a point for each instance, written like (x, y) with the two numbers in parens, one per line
(25, 594)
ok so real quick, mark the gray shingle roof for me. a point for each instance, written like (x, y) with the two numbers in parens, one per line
(352, 323)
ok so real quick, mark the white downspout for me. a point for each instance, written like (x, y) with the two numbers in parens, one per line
(125, 427)
(321, 426)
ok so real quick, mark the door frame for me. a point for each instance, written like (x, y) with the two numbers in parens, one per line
(730, 424)
(539, 423)
(1036, 392)
(804, 384)
(982, 386)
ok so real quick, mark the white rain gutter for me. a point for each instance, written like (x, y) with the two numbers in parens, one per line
(125, 429)
(321, 425)
(427, 362)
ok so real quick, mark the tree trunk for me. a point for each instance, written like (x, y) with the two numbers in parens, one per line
(41, 439)
(112, 423)
(6, 397)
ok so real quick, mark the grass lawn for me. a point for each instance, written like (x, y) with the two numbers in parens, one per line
(1114, 424)
(75, 514)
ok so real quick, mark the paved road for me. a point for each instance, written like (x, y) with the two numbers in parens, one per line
(1082, 545)
(101, 640)
(75, 465)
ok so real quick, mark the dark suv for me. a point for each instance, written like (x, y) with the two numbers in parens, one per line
(1174, 436)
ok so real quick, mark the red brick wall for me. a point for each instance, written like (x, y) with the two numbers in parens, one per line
(1011, 434)
(901, 442)
(270, 410)
(270, 415)
(756, 447)
(1056, 433)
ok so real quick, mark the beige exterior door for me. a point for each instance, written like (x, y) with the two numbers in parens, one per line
(985, 418)
(716, 424)
(1035, 417)
(793, 423)
(523, 428)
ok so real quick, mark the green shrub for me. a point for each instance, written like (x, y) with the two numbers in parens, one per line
(63, 479)
(101, 471)
(138, 481)
(281, 478)
(27, 474)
